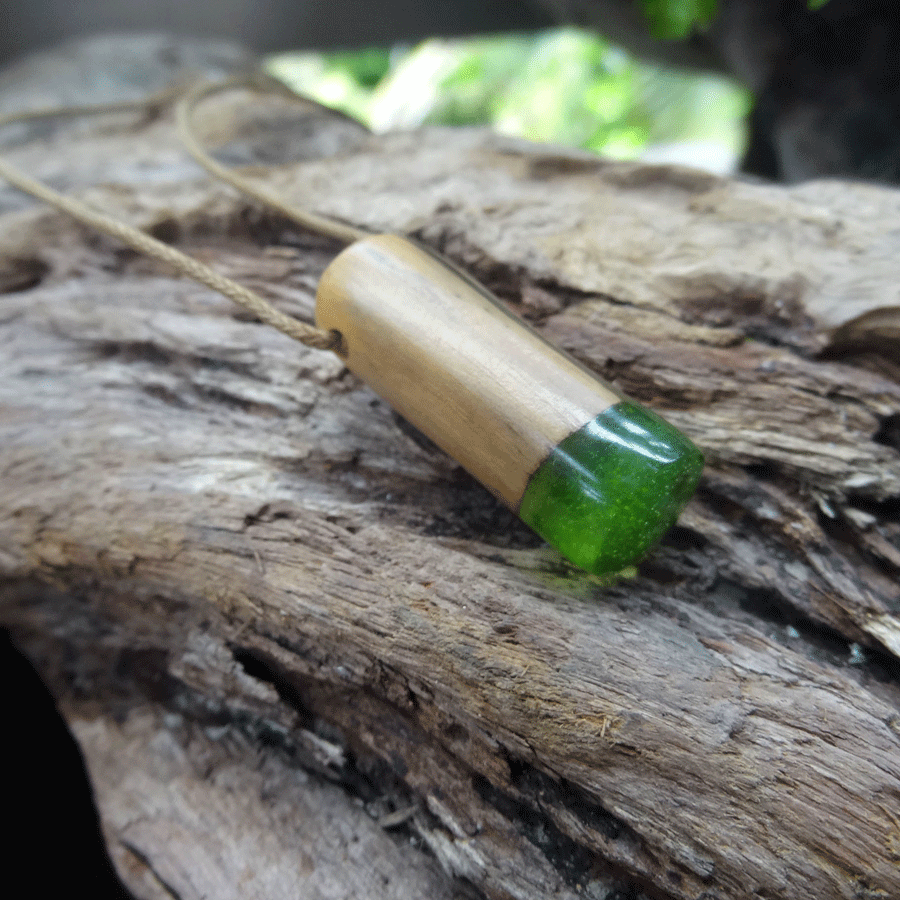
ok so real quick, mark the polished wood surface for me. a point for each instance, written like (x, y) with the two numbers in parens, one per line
(455, 362)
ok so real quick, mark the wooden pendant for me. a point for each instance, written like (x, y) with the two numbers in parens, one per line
(597, 476)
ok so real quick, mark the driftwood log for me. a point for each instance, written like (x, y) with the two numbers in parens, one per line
(305, 655)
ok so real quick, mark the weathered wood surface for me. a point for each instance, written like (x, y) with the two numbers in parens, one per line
(267, 824)
(225, 554)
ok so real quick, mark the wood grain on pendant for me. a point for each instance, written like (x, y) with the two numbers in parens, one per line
(455, 362)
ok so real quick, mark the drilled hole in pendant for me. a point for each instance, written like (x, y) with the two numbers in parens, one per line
(340, 344)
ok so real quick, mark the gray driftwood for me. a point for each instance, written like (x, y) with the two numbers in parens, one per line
(305, 655)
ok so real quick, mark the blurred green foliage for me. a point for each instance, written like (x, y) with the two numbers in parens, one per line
(678, 18)
(561, 86)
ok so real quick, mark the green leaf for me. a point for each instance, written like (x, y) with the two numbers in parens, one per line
(366, 67)
(672, 19)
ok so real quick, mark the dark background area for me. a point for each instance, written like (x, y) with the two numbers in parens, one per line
(264, 25)
(54, 837)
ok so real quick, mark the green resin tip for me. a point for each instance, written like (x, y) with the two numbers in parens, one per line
(609, 491)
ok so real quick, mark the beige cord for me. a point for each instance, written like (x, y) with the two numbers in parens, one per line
(144, 243)
(184, 109)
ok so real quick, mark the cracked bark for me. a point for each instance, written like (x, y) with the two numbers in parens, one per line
(282, 628)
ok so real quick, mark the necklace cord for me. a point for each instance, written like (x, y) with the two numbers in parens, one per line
(143, 243)
(184, 110)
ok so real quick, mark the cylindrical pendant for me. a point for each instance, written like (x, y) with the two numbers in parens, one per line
(597, 476)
